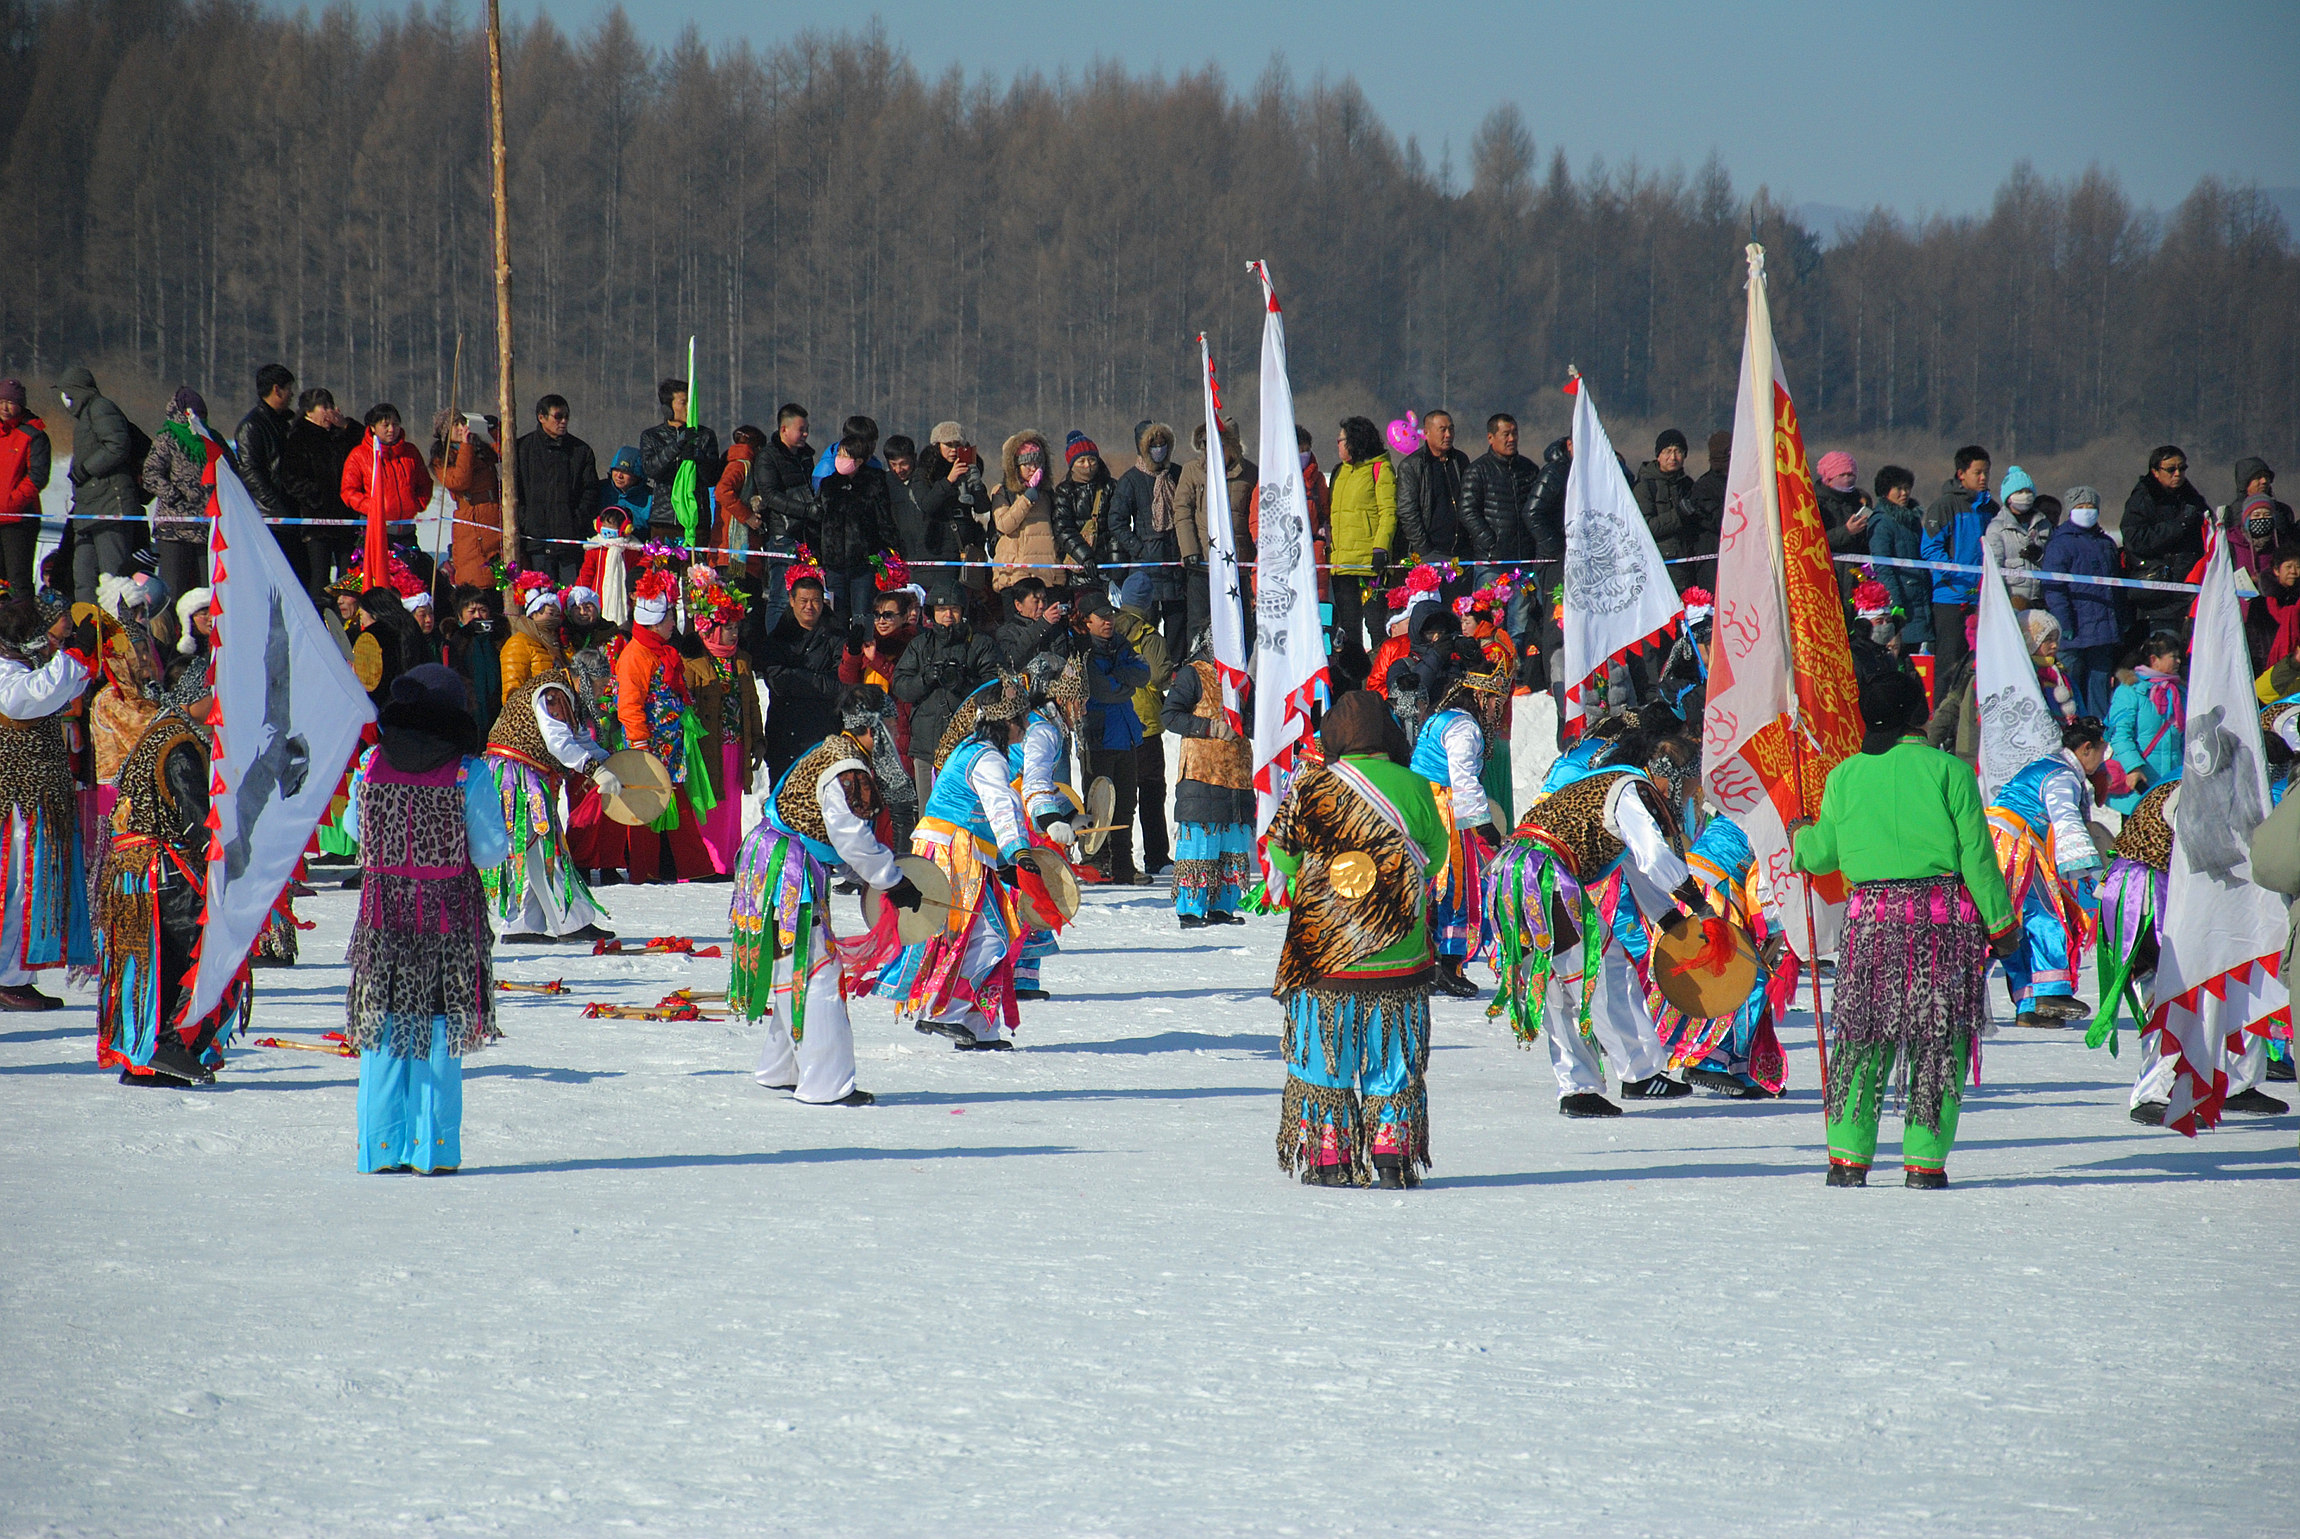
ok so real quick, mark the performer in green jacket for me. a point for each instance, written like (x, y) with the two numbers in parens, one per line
(1351, 844)
(1905, 825)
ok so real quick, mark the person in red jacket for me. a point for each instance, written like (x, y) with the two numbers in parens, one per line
(24, 462)
(385, 476)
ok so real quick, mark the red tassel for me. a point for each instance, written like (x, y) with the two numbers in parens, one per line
(1717, 947)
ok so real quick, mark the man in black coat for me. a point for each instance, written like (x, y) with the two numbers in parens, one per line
(1497, 494)
(857, 519)
(558, 491)
(666, 446)
(799, 660)
(948, 661)
(311, 473)
(780, 492)
(1033, 622)
(262, 441)
(2164, 538)
(107, 501)
(1430, 484)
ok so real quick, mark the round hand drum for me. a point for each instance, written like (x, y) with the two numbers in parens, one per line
(1704, 980)
(646, 788)
(927, 920)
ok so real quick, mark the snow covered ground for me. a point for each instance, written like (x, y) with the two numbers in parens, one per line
(1066, 1291)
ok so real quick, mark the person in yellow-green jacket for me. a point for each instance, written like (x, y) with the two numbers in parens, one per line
(1904, 824)
(1350, 843)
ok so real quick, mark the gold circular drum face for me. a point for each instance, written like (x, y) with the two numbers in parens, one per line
(1351, 873)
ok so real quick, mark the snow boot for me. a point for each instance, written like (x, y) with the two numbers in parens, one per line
(172, 1060)
(2150, 1114)
(1390, 1168)
(1844, 1173)
(1926, 1180)
(2255, 1103)
(1449, 979)
(2060, 1007)
(1587, 1103)
(1241, 919)
(2031, 1020)
(1192, 921)
(1654, 1087)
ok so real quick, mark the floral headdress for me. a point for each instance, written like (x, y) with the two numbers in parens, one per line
(1872, 600)
(531, 590)
(806, 566)
(397, 576)
(893, 571)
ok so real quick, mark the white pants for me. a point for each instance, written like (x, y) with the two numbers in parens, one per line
(985, 948)
(822, 1064)
(13, 973)
(543, 913)
(1617, 1016)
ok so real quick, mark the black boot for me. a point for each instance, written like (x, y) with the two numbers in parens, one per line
(2150, 1114)
(2255, 1103)
(1843, 1173)
(1586, 1104)
(1191, 921)
(1926, 1180)
(1391, 1169)
(1450, 979)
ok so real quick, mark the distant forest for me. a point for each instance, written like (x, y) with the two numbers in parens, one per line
(194, 188)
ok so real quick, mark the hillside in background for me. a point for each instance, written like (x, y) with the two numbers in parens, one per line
(198, 189)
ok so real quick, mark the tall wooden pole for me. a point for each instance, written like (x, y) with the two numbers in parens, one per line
(506, 459)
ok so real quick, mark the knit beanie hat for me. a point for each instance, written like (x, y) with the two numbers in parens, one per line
(2016, 483)
(190, 402)
(13, 390)
(1075, 445)
(2080, 497)
(1720, 449)
(2259, 516)
(1837, 471)
(1670, 439)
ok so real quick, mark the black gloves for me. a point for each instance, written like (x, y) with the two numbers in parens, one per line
(2002, 946)
(1009, 872)
(905, 894)
(1489, 833)
(84, 639)
(1379, 561)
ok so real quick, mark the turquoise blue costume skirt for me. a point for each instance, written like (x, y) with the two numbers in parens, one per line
(411, 1109)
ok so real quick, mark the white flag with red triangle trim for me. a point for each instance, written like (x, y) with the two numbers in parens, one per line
(2216, 976)
(287, 717)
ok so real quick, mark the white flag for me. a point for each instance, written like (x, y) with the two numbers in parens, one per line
(287, 715)
(1289, 640)
(2017, 728)
(2223, 935)
(1224, 582)
(1618, 596)
(1749, 680)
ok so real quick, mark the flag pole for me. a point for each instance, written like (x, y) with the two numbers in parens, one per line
(505, 469)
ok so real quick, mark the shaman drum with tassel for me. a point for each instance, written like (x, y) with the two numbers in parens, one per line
(1706, 967)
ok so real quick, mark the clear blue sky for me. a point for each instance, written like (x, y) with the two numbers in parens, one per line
(1920, 106)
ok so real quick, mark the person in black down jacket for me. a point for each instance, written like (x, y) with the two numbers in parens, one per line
(1664, 495)
(1498, 517)
(1142, 530)
(312, 472)
(1082, 505)
(948, 662)
(666, 446)
(799, 660)
(857, 524)
(1430, 491)
(107, 466)
(2164, 538)
(558, 491)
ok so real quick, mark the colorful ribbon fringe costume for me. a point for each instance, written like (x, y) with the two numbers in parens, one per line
(1740, 1050)
(1354, 974)
(2037, 824)
(788, 962)
(533, 752)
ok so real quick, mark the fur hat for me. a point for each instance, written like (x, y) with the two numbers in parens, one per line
(186, 607)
